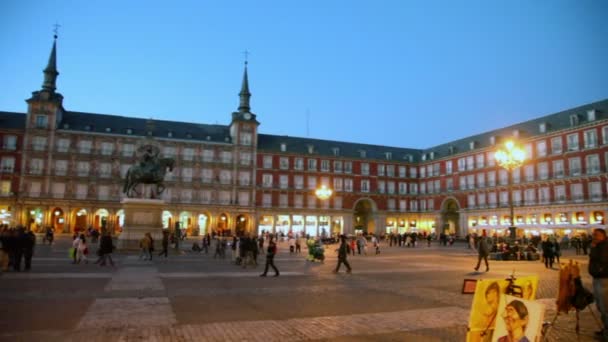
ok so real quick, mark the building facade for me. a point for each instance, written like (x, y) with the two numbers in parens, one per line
(65, 169)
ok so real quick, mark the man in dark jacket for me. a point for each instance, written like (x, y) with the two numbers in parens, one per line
(342, 254)
(483, 251)
(165, 244)
(598, 269)
(105, 249)
(270, 253)
(28, 242)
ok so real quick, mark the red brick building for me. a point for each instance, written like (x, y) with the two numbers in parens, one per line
(69, 166)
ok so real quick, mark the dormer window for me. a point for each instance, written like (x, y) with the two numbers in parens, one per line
(493, 140)
(208, 137)
(451, 150)
(573, 120)
(66, 126)
(388, 155)
(542, 127)
(87, 127)
(170, 134)
(336, 151)
(408, 157)
(108, 129)
(189, 135)
(41, 121)
(515, 133)
(129, 131)
(362, 154)
(472, 145)
(432, 155)
(283, 147)
(591, 115)
(311, 149)
(227, 139)
(150, 133)
(423, 156)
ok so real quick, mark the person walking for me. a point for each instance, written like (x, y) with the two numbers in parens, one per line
(483, 250)
(342, 255)
(165, 244)
(548, 253)
(75, 242)
(28, 243)
(82, 250)
(144, 244)
(270, 253)
(106, 248)
(598, 269)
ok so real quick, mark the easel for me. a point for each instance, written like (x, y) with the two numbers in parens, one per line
(567, 273)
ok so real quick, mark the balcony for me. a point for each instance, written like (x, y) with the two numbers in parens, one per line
(9, 147)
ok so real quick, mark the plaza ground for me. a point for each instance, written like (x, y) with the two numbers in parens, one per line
(402, 294)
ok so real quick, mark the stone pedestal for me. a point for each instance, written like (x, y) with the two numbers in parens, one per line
(141, 216)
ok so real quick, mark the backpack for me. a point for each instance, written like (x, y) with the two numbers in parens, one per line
(582, 297)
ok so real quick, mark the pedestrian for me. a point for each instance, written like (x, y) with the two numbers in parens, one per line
(270, 253)
(165, 244)
(261, 244)
(4, 254)
(298, 244)
(82, 250)
(483, 251)
(376, 244)
(144, 245)
(598, 269)
(74, 250)
(342, 255)
(548, 253)
(17, 248)
(106, 248)
(28, 243)
(352, 246)
(218, 247)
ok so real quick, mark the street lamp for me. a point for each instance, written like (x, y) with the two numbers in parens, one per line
(510, 158)
(324, 193)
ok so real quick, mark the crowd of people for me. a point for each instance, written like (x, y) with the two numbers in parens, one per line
(17, 248)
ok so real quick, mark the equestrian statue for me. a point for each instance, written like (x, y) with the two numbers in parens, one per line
(150, 170)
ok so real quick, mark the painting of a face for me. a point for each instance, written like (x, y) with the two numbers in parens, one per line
(492, 299)
(512, 318)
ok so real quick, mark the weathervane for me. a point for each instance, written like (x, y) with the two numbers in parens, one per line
(56, 29)
(246, 53)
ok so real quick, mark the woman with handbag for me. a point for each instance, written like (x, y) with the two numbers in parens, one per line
(82, 250)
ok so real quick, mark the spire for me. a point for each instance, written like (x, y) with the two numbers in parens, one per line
(245, 94)
(50, 72)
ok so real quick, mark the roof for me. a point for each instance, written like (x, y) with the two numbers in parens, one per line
(12, 120)
(104, 123)
(299, 145)
(554, 122)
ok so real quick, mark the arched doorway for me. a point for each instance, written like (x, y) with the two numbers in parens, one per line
(222, 225)
(185, 222)
(450, 216)
(80, 221)
(364, 215)
(241, 225)
(101, 219)
(167, 219)
(57, 220)
(203, 224)
(35, 218)
(120, 218)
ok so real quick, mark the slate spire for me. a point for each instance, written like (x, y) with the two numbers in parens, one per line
(50, 72)
(245, 94)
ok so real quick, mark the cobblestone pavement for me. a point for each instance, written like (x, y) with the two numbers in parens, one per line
(402, 294)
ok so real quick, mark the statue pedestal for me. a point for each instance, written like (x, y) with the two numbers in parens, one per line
(141, 216)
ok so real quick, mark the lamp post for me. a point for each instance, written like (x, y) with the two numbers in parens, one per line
(509, 158)
(324, 193)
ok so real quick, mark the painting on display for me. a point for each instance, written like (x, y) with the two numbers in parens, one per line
(484, 309)
(518, 320)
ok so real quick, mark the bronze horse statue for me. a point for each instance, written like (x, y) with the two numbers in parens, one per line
(152, 172)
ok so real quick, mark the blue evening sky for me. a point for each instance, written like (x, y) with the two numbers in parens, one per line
(399, 73)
